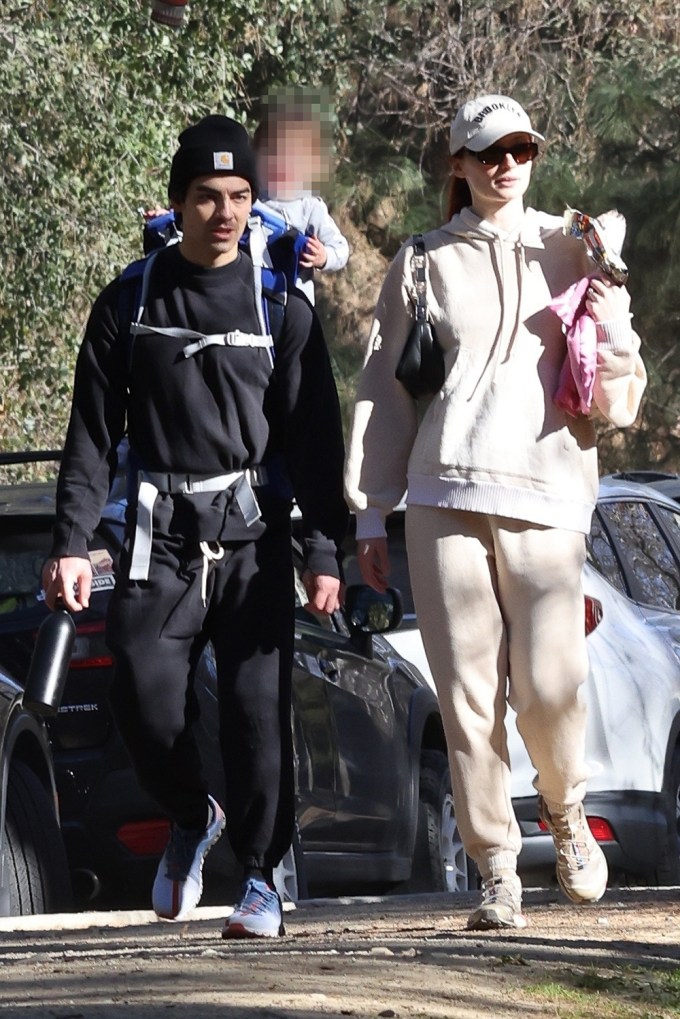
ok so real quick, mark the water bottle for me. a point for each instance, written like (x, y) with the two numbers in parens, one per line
(49, 663)
(168, 12)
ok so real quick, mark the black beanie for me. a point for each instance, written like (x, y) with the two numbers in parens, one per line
(215, 145)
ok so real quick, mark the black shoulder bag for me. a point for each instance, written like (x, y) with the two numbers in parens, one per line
(421, 365)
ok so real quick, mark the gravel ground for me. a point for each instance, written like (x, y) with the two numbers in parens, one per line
(393, 957)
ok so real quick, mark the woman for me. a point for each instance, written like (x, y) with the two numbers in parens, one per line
(501, 486)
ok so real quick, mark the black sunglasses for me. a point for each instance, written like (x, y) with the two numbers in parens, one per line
(523, 152)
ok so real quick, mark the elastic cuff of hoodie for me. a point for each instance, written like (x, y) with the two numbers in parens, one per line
(615, 334)
(67, 541)
(321, 558)
(370, 523)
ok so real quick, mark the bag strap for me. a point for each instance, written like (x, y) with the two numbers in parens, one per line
(418, 259)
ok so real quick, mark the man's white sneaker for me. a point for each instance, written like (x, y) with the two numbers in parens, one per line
(581, 865)
(258, 915)
(179, 879)
(501, 904)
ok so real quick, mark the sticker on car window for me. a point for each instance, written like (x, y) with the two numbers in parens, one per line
(102, 570)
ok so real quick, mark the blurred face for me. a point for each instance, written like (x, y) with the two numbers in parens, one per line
(214, 215)
(493, 186)
(290, 161)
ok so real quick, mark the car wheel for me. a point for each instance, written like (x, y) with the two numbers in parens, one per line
(668, 872)
(39, 880)
(440, 863)
(289, 876)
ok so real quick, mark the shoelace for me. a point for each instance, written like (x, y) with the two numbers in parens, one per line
(180, 853)
(496, 890)
(571, 839)
(258, 900)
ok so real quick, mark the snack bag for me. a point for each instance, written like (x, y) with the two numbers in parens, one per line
(603, 238)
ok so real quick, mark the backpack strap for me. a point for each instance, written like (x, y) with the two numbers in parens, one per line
(271, 285)
(132, 298)
(418, 259)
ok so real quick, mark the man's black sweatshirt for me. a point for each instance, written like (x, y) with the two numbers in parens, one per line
(220, 410)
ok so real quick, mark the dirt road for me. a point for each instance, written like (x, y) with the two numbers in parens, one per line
(394, 958)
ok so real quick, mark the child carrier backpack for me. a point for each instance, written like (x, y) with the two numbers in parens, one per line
(283, 243)
(272, 244)
(261, 239)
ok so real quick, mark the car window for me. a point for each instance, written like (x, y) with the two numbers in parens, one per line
(671, 521)
(645, 552)
(601, 554)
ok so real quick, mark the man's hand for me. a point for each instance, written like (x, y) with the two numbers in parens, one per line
(313, 255)
(374, 562)
(69, 579)
(323, 592)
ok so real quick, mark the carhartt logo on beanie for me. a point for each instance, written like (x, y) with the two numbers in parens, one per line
(215, 144)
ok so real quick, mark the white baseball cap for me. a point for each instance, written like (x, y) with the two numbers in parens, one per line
(483, 121)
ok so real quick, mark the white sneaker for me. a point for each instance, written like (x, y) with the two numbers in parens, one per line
(179, 880)
(501, 904)
(259, 914)
(581, 865)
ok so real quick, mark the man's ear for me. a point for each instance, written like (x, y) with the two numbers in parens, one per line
(177, 209)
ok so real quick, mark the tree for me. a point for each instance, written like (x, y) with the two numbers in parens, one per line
(93, 97)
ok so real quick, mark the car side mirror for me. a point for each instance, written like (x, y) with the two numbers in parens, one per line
(367, 611)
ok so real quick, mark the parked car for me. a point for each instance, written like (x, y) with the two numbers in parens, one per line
(632, 614)
(34, 877)
(374, 804)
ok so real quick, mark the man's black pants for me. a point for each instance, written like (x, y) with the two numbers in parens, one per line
(156, 630)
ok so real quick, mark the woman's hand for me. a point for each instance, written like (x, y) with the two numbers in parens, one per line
(374, 562)
(606, 301)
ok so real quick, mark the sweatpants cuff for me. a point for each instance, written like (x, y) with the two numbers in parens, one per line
(492, 865)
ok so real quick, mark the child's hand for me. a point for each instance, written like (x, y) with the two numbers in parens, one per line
(313, 255)
(152, 213)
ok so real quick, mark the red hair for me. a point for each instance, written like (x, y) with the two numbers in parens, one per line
(460, 195)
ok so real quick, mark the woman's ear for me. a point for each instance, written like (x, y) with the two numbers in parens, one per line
(456, 164)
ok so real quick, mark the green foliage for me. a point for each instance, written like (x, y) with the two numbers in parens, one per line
(94, 95)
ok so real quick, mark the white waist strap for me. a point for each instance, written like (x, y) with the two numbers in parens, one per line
(146, 500)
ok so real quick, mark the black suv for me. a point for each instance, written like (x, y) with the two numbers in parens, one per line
(374, 804)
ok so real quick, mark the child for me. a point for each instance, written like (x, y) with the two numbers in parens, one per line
(292, 144)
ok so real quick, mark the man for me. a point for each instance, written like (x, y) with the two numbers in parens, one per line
(222, 422)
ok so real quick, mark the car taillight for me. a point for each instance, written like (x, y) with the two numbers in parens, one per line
(594, 613)
(145, 838)
(601, 829)
(89, 648)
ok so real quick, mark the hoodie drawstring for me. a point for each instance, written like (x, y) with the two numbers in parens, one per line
(498, 354)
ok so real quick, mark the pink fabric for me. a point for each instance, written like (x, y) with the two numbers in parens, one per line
(577, 377)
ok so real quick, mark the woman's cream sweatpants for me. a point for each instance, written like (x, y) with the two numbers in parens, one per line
(501, 612)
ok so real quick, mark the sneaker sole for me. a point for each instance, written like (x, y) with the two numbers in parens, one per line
(487, 923)
(573, 896)
(237, 930)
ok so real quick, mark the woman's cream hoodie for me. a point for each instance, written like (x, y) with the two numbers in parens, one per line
(492, 440)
